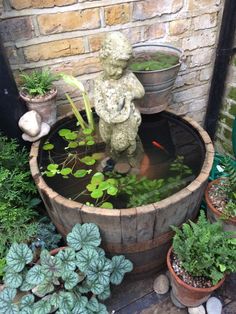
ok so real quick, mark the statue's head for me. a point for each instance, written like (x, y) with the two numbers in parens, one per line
(115, 54)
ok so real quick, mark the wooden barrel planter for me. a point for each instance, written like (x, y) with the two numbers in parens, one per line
(142, 234)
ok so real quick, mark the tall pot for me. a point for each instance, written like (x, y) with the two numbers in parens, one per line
(186, 294)
(158, 83)
(45, 105)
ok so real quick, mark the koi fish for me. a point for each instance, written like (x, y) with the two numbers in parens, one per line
(158, 145)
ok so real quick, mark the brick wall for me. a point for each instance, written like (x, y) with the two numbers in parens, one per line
(228, 112)
(65, 35)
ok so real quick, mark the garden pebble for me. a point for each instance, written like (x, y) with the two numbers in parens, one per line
(175, 301)
(161, 284)
(45, 128)
(30, 123)
(197, 310)
(213, 306)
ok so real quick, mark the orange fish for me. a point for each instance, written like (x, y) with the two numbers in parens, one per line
(158, 145)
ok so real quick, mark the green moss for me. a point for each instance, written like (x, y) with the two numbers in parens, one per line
(227, 134)
(227, 120)
(158, 61)
(232, 93)
(232, 109)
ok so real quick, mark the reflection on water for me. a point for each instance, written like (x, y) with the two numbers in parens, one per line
(164, 137)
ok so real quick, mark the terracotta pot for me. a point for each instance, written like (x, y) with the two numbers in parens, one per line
(186, 294)
(45, 106)
(213, 214)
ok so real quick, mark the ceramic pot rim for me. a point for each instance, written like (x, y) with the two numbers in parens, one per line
(28, 98)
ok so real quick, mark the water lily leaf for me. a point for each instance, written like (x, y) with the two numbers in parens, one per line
(66, 171)
(67, 257)
(91, 187)
(107, 205)
(112, 181)
(97, 193)
(80, 173)
(35, 275)
(71, 279)
(87, 131)
(85, 257)
(52, 167)
(88, 160)
(13, 280)
(18, 256)
(48, 146)
(82, 143)
(71, 136)
(90, 143)
(112, 190)
(73, 144)
(104, 185)
(42, 307)
(6, 299)
(97, 156)
(120, 267)
(64, 132)
(50, 174)
(99, 270)
(83, 236)
(105, 294)
(97, 178)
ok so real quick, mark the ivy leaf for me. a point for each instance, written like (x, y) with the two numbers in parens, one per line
(45, 288)
(65, 171)
(55, 300)
(105, 294)
(80, 301)
(85, 257)
(48, 146)
(26, 310)
(13, 280)
(67, 301)
(51, 265)
(67, 257)
(35, 275)
(83, 236)
(100, 270)
(6, 299)
(42, 307)
(78, 310)
(26, 300)
(120, 267)
(97, 193)
(93, 305)
(102, 309)
(18, 256)
(88, 160)
(96, 287)
(80, 173)
(107, 205)
(71, 279)
(26, 286)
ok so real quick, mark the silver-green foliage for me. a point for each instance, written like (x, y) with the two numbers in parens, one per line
(57, 283)
(204, 249)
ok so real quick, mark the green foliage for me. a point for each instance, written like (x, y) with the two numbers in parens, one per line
(37, 83)
(58, 282)
(158, 61)
(204, 249)
(230, 169)
(16, 196)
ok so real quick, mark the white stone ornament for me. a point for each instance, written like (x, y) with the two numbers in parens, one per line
(30, 123)
(45, 128)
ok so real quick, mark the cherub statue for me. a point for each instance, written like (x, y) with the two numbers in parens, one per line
(115, 89)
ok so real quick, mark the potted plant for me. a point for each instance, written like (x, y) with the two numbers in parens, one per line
(38, 91)
(220, 197)
(201, 255)
(68, 280)
(156, 66)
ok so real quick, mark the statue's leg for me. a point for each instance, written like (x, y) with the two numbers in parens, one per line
(105, 130)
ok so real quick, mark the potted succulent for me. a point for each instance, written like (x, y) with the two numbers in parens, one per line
(220, 197)
(156, 66)
(67, 280)
(201, 255)
(38, 91)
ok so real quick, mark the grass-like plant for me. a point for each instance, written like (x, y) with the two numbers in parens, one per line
(72, 281)
(204, 249)
(38, 82)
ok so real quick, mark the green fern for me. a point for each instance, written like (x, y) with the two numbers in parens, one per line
(230, 169)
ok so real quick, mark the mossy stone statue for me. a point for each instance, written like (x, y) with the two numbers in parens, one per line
(115, 90)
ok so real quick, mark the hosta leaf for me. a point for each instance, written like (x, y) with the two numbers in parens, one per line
(13, 280)
(105, 294)
(42, 307)
(93, 305)
(67, 257)
(71, 279)
(65, 171)
(85, 257)
(51, 265)
(45, 288)
(84, 236)
(6, 298)
(80, 173)
(27, 300)
(67, 301)
(120, 267)
(100, 270)
(97, 193)
(18, 256)
(35, 275)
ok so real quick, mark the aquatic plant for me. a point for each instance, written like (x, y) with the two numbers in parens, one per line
(71, 281)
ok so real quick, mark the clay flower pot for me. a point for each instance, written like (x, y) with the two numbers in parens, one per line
(44, 105)
(186, 294)
(213, 214)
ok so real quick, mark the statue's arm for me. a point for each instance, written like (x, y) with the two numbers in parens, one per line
(135, 87)
(99, 103)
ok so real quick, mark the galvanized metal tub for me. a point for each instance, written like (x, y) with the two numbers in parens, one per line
(159, 83)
